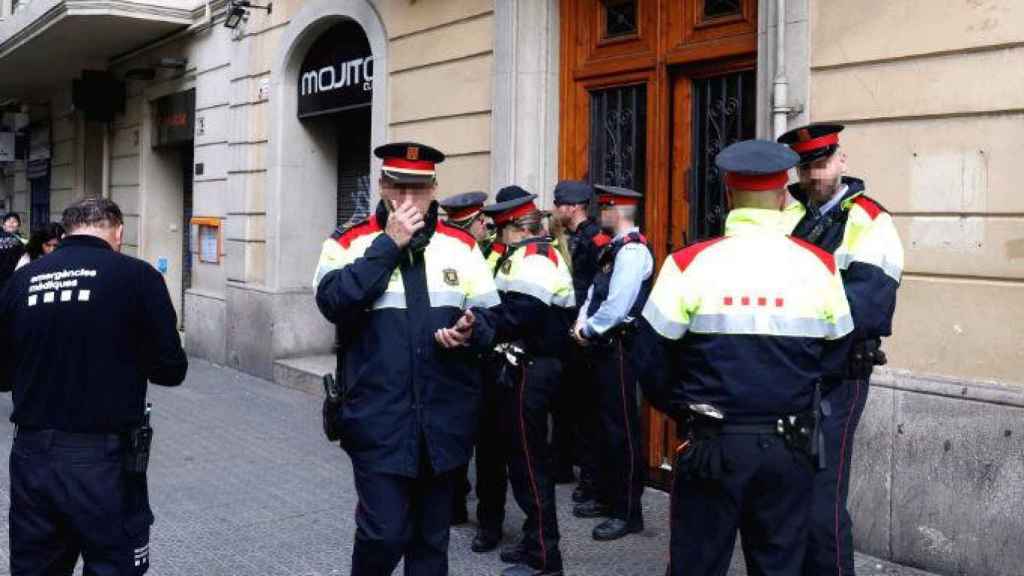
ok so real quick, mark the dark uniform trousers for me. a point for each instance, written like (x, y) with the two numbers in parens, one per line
(563, 433)
(830, 544)
(70, 495)
(530, 390)
(398, 516)
(763, 495)
(581, 413)
(622, 469)
(491, 452)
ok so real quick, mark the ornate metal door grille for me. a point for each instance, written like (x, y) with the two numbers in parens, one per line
(618, 134)
(724, 109)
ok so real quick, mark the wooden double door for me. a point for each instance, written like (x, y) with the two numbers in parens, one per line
(651, 91)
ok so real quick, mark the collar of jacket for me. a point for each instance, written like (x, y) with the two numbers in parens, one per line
(741, 221)
(528, 241)
(83, 240)
(586, 228)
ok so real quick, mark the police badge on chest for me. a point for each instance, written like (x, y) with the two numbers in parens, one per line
(451, 277)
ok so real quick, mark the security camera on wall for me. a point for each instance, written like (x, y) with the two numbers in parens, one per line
(98, 95)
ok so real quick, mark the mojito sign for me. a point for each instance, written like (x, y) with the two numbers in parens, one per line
(337, 73)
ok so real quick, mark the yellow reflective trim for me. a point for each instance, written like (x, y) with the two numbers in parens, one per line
(871, 241)
(668, 306)
(454, 266)
(758, 282)
(332, 257)
(536, 275)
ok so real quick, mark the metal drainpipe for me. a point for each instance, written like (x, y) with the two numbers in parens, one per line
(780, 87)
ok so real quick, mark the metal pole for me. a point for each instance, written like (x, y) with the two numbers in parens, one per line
(780, 87)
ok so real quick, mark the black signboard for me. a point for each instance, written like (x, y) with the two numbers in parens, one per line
(337, 73)
(175, 119)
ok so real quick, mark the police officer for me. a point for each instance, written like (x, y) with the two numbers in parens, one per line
(842, 220)
(410, 294)
(734, 339)
(533, 321)
(82, 331)
(463, 211)
(605, 324)
(577, 413)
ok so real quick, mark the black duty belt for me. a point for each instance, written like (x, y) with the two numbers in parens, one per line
(51, 437)
(740, 429)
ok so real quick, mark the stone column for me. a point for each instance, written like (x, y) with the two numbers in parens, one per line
(524, 148)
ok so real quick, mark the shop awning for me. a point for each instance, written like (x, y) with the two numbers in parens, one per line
(49, 42)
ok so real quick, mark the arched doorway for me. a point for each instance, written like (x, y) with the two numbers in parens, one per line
(329, 109)
(335, 93)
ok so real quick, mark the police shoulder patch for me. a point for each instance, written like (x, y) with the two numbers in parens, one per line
(684, 257)
(346, 235)
(542, 249)
(457, 233)
(601, 240)
(869, 205)
(827, 259)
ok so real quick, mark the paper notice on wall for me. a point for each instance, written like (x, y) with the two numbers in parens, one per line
(6, 146)
(208, 244)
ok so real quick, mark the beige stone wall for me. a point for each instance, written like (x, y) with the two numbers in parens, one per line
(933, 96)
(441, 62)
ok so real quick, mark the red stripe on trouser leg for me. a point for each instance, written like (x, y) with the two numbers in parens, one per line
(839, 477)
(529, 471)
(629, 435)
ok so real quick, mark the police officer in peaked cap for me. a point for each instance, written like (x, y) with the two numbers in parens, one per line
(842, 219)
(736, 336)
(410, 296)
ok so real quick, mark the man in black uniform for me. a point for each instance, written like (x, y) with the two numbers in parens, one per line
(83, 330)
(576, 415)
(410, 294)
(464, 211)
(842, 220)
(605, 325)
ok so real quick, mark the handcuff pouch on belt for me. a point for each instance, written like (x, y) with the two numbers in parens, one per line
(138, 441)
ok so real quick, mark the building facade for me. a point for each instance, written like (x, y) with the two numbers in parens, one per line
(234, 151)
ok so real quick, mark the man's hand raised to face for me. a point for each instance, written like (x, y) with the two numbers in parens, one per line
(403, 222)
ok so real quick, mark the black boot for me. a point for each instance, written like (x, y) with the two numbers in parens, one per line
(615, 528)
(583, 492)
(485, 541)
(591, 509)
(514, 553)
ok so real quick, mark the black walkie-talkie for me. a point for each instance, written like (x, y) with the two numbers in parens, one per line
(139, 441)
